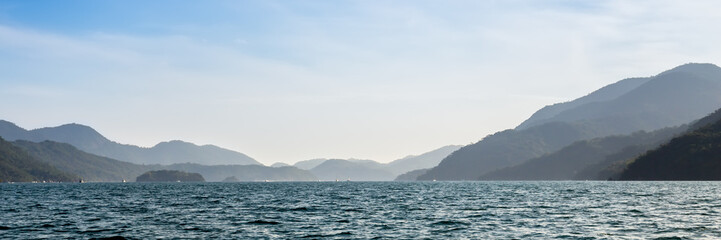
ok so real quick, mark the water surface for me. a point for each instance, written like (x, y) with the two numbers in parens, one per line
(363, 210)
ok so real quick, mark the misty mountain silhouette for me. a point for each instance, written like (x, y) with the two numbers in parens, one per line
(87, 139)
(369, 170)
(672, 98)
(583, 160)
(356, 170)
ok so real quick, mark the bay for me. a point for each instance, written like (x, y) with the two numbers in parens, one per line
(363, 210)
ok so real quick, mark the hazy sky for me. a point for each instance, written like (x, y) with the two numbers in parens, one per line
(284, 81)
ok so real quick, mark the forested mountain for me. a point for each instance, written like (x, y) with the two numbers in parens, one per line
(89, 140)
(586, 159)
(309, 164)
(338, 169)
(425, 160)
(369, 170)
(89, 167)
(17, 165)
(672, 98)
(411, 175)
(606, 93)
(695, 155)
(169, 176)
(506, 148)
(217, 173)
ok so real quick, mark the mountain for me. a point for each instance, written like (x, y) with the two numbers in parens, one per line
(411, 175)
(89, 167)
(356, 170)
(672, 98)
(506, 148)
(425, 160)
(279, 164)
(606, 93)
(217, 173)
(584, 160)
(87, 139)
(169, 176)
(309, 164)
(692, 156)
(17, 165)
(369, 170)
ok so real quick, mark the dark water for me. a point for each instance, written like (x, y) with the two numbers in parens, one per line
(363, 210)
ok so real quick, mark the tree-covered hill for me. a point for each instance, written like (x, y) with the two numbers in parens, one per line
(17, 165)
(170, 176)
(90, 167)
(695, 155)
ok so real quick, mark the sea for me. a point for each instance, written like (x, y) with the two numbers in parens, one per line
(362, 210)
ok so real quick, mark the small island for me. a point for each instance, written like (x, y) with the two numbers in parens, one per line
(169, 176)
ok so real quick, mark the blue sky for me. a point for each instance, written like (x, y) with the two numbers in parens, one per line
(294, 80)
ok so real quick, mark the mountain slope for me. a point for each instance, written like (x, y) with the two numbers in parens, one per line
(356, 170)
(506, 148)
(87, 139)
(17, 165)
(219, 173)
(606, 93)
(582, 160)
(695, 155)
(425, 160)
(89, 167)
(672, 98)
(309, 164)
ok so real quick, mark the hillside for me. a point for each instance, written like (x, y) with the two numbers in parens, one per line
(695, 155)
(425, 160)
(217, 173)
(17, 165)
(411, 175)
(338, 169)
(87, 139)
(90, 167)
(506, 148)
(606, 93)
(169, 176)
(583, 160)
(672, 98)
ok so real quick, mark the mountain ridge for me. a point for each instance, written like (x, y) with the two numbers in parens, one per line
(89, 140)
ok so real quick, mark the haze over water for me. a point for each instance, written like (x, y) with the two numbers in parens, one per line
(363, 210)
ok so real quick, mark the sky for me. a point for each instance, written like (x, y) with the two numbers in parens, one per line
(284, 81)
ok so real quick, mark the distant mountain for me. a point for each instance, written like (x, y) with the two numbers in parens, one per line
(425, 160)
(89, 140)
(692, 156)
(89, 167)
(217, 173)
(309, 164)
(506, 148)
(279, 164)
(411, 175)
(341, 169)
(338, 169)
(603, 94)
(672, 98)
(16, 165)
(169, 176)
(583, 160)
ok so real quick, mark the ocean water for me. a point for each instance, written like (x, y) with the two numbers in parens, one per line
(363, 210)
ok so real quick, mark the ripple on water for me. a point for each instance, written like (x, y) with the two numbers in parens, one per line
(363, 210)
